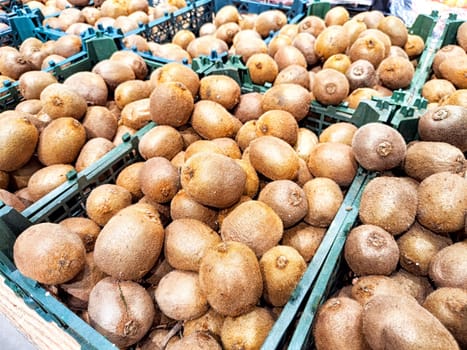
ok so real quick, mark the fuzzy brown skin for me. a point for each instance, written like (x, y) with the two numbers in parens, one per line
(249, 106)
(389, 203)
(434, 90)
(161, 141)
(338, 325)
(32, 83)
(130, 91)
(247, 331)
(129, 178)
(196, 341)
(370, 49)
(137, 236)
(462, 36)
(211, 322)
(159, 179)
(132, 311)
(306, 141)
(11, 200)
(304, 238)
(398, 322)
(442, 202)
(418, 246)
(414, 45)
(14, 64)
(332, 40)
(228, 147)
(449, 305)
(246, 134)
(288, 55)
(92, 151)
(247, 48)
(134, 61)
(313, 25)
(370, 250)
(182, 38)
(305, 42)
(292, 98)
(252, 179)
(85, 228)
(234, 270)
(417, 286)
(203, 46)
(213, 179)
(282, 267)
(426, 158)
(278, 123)
(61, 141)
(90, 86)
(457, 73)
(331, 87)
(255, 224)
(105, 201)
(395, 72)
(5, 180)
(367, 287)
(186, 241)
(361, 73)
(293, 74)
(395, 28)
(271, 20)
(221, 89)
(99, 121)
(114, 72)
(18, 139)
(353, 100)
(324, 199)
(47, 179)
(49, 253)
(446, 53)
(448, 266)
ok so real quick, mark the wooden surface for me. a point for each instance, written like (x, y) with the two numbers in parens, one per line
(42, 334)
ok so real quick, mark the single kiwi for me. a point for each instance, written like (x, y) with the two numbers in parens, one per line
(339, 62)
(248, 47)
(337, 15)
(13, 64)
(32, 83)
(293, 74)
(338, 325)
(398, 51)
(290, 30)
(365, 288)
(246, 134)
(306, 141)
(189, 135)
(186, 304)
(361, 73)
(442, 201)
(176, 72)
(203, 46)
(447, 304)
(331, 87)
(360, 94)
(248, 331)
(221, 89)
(161, 141)
(379, 147)
(249, 106)
(289, 55)
(457, 73)
(132, 60)
(417, 286)
(32, 106)
(395, 28)
(12, 200)
(332, 40)
(448, 53)
(313, 25)
(278, 123)
(305, 42)
(333, 160)
(255, 224)
(92, 151)
(195, 341)
(226, 14)
(231, 279)
(369, 48)
(252, 178)
(246, 34)
(134, 314)
(99, 121)
(211, 322)
(292, 98)
(324, 200)
(183, 37)
(158, 339)
(85, 228)
(47, 179)
(457, 98)
(354, 28)
(227, 31)
(414, 45)
(448, 266)
(304, 238)
(371, 250)
(185, 256)
(435, 90)
(130, 91)
(159, 179)
(389, 203)
(114, 72)
(202, 146)
(417, 247)
(462, 36)
(277, 42)
(395, 72)
(49, 253)
(90, 86)
(270, 21)
(341, 132)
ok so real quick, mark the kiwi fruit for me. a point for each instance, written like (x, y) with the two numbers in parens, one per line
(226, 14)
(425, 158)
(246, 134)
(395, 72)
(130, 91)
(447, 304)
(278, 123)
(188, 303)
(293, 74)
(205, 45)
(132, 60)
(90, 86)
(414, 45)
(305, 42)
(378, 147)
(292, 98)
(457, 73)
(32, 83)
(306, 141)
(211, 322)
(176, 72)
(448, 53)
(99, 121)
(49, 253)
(370, 250)
(92, 151)
(202, 146)
(338, 325)
(417, 247)
(447, 267)
(287, 199)
(435, 90)
(227, 31)
(183, 37)
(247, 48)
(47, 179)
(331, 87)
(247, 331)
(137, 236)
(252, 178)
(442, 201)
(161, 141)
(205, 175)
(445, 124)
(339, 62)
(332, 40)
(288, 55)
(85, 228)
(341, 132)
(354, 28)
(221, 89)
(358, 95)
(32, 106)
(270, 21)
(417, 286)
(462, 36)
(230, 277)
(313, 25)
(18, 140)
(195, 341)
(398, 51)
(365, 288)
(12, 200)
(134, 311)
(159, 179)
(5, 180)
(361, 73)
(255, 224)
(369, 48)
(324, 200)
(249, 106)
(457, 98)
(184, 256)
(304, 238)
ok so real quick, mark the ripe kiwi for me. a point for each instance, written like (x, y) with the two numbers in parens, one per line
(49, 253)
(337, 15)
(211, 323)
(395, 72)
(12, 200)
(137, 236)
(361, 73)
(305, 42)
(189, 135)
(203, 46)
(425, 158)
(417, 286)
(458, 98)
(246, 134)
(255, 224)
(304, 238)
(182, 38)
(462, 36)
(221, 89)
(395, 28)
(368, 47)
(379, 147)
(248, 47)
(249, 107)
(13, 64)
(228, 147)
(339, 62)
(184, 206)
(293, 74)
(442, 201)
(132, 60)
(277, 42)
(333, 160)
(211, 120)
(414, 45)
(354, 28)
(133, 306)
(398, 51)
(313, 25)
(289, 55)
(90, 86)
(292, 98)
(456, 73)
(445, 124)
(18, 140)
(324, 199)
(331, 87)
(159, 179)
(227, 31)
(161, 141)
(92, 151)
(389, 203)
(262, 67)
(184, 256)
(174, 71)
(435, 90)
(195, 341)
(85, 228)
(338, 325)
(278, 123)
(252, 179)
(32, 83)
(179, 296)
(205, 175)
(332, 40)
(226, 14)
(341, 132)
(448, 53)
(290, 30)
(306, 141)
(270, 21)
(282, 267)
(365, 288)
(448, 266)
(114, 72)
(370, 250)
(231, 279)
(247, 331)
(131, 90)
(448, 305)
(32, 106)
(360, 94)
(47, 179)
(417, 247)
(202, 146)
(99, 121)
